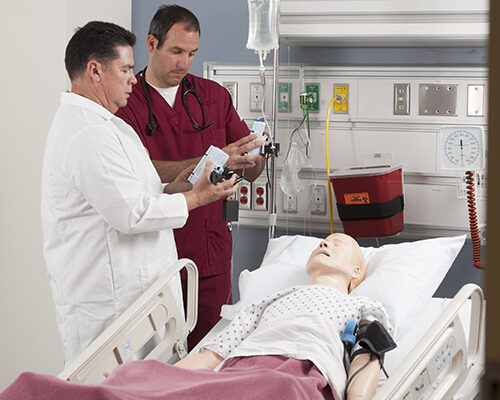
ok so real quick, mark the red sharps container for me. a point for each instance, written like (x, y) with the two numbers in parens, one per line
(370, 200)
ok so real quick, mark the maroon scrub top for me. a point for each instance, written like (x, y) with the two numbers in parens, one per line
(205, 238)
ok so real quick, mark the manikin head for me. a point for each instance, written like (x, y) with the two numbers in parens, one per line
(100, 63)
(174, 34)
(338, 262)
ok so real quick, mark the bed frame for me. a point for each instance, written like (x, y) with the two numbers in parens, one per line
(438, 365)
(434, 369)
(155, 311)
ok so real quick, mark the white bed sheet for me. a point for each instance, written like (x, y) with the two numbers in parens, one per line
(431, 312)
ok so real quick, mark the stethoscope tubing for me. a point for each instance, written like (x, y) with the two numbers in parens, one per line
(153, 124)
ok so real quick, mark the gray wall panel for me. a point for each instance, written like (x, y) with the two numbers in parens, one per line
(224, 25)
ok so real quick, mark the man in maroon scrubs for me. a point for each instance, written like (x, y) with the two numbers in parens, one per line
(184, 115)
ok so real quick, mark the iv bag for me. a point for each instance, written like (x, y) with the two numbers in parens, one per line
(263, 26)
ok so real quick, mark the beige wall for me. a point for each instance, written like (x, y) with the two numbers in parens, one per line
(33, 38)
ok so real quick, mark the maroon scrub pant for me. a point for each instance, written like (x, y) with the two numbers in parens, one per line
(213, 292)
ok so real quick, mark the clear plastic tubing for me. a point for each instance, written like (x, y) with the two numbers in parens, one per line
(263, 26)
(302, 80)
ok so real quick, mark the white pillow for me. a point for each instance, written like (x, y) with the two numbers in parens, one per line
(403, 277)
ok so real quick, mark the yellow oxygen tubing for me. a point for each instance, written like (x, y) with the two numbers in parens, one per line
(328, 163)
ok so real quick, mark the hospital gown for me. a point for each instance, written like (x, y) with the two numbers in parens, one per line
(304, 322)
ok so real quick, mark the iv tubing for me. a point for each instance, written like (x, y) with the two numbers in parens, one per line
(328, 163)
(293, 133)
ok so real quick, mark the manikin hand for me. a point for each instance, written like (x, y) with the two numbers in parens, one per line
(181, 183)
(237, 159)
(205, 359)
(204, 192)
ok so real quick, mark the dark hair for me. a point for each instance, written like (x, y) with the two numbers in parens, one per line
(167, 16)
(95, 41)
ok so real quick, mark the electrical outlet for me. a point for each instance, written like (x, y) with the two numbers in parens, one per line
(318, 199)
(245, 195)
(401, 99)
(259, 196)
(313, 90)
(284, 97)
(341, 95)
(289, 204)
(256, 97)
(232, 88)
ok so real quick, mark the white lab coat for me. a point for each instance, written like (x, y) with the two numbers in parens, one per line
(107, 225)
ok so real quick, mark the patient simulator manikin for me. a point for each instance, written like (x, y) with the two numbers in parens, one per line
(337, 263)
(288, 346)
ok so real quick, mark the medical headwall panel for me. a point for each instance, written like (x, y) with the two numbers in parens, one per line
(384, 22)
(435, 198)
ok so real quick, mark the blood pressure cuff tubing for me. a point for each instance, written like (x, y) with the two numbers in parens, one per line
(373, 338)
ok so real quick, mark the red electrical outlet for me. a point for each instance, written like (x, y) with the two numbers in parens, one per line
(259, 195)
(244, 194)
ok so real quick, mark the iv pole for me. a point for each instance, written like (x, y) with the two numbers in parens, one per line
(272, 218)
(262, 45)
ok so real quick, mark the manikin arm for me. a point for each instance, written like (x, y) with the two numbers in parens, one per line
(364, 384)
(205, 359)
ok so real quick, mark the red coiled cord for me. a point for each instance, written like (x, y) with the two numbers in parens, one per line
(474, 231)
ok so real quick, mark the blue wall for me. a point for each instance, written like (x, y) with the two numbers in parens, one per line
(221, 42)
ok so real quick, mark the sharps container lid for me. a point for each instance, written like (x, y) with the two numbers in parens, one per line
(363, 171)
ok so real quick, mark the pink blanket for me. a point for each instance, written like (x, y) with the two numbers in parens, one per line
(260, 377)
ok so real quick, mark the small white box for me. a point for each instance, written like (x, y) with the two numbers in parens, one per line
(259, 126)
(214, 154)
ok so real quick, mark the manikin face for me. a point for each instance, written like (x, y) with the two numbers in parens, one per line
(117, 78)
(170, 63)
(338, 254)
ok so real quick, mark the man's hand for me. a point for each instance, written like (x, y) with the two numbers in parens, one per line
(180, 183)
(205, 192)
(236, 150)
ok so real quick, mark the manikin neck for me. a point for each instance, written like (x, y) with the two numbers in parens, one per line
(333, 281)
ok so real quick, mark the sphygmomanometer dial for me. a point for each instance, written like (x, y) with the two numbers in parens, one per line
(462, 148)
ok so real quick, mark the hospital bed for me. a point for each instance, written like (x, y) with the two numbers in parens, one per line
(440, 358)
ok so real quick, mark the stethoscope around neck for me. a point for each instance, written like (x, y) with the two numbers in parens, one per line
(186, 88)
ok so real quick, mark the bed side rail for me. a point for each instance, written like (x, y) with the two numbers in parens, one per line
(440, 362)
(156, 309)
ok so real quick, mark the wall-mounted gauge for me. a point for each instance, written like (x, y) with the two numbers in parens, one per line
(461, 148)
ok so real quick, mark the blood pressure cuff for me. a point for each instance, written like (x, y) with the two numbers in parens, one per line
(373, 338)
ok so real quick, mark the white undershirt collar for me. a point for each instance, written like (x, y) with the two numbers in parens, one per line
(167, 93)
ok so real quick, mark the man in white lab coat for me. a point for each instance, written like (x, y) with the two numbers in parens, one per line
(107, 219)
